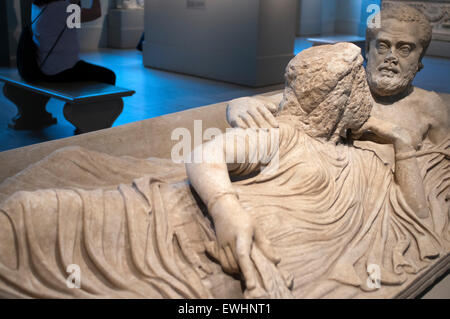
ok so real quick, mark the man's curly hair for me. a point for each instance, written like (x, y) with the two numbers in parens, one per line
(404, 13)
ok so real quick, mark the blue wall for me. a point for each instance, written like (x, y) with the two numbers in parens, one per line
(365, 15)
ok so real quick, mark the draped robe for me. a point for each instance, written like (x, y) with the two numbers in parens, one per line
(137, 229)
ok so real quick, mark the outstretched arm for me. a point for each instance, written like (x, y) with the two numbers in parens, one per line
(235, 228)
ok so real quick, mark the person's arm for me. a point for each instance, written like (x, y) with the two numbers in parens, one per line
(235, 228)
(407, 174)
(92, 13)
(254, 112)
(440, 124)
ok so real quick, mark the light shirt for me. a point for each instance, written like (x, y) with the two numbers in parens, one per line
(45, 33)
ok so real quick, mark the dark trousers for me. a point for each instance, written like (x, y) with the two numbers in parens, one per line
(83, 71)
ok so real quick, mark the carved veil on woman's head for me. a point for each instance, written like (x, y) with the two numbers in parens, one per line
(326, 90)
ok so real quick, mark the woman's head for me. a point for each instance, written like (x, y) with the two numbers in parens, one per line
(326, 90)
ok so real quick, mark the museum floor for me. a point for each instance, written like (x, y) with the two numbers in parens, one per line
(159, 93)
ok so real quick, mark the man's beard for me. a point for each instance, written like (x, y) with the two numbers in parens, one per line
(388, 80)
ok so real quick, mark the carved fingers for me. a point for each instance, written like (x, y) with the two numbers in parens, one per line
(235, 236)
(238, 236)
(243, 248)
(267, 112)
(265, 246)
(251, 113)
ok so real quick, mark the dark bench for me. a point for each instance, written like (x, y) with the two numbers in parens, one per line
(90, 106)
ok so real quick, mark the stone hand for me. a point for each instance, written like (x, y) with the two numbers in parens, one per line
(250, 112)
(407, 173)
(237, 233)
(385, 132)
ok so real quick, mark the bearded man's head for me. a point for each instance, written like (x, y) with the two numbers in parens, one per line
(395, 48)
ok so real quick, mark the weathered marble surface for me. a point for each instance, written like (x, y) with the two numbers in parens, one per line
(154, 222)
(110, 141)
(394, 50)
